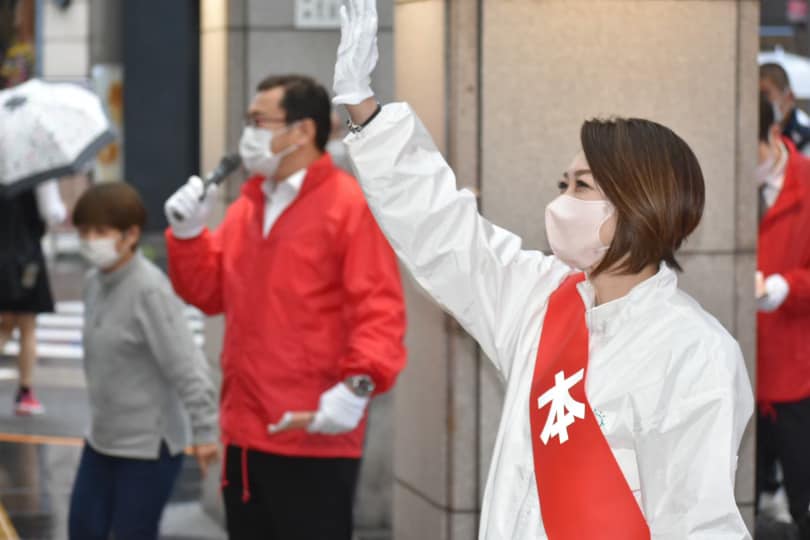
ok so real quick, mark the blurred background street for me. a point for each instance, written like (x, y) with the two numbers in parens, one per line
(502, 87)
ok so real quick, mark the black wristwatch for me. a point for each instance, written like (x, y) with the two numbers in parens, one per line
(360, 385)
(357, 128)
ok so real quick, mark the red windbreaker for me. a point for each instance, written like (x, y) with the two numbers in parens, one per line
(783, 358)
(316, 301)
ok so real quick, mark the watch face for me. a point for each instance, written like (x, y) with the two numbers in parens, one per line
(363, 385)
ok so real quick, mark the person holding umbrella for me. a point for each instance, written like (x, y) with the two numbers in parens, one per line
(24, 286)
(47, 131)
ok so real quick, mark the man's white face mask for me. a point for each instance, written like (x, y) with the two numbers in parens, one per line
(255, 151)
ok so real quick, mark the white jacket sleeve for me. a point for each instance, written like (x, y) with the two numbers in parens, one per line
(687, 460)
(474, 269)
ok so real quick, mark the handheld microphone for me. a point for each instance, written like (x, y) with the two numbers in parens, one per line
(226, 166)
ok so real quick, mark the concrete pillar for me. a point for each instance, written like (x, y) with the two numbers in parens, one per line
(106, 32)
(504, 87)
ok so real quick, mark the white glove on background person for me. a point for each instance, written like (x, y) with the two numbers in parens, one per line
(49, 203)
(186, 214)
(776, 292)
(339, 411)
(357, 53)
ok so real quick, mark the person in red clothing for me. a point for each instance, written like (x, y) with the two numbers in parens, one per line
(314, 317)
(783, 294)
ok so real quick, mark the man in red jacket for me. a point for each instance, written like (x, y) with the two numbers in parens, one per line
(314, 317)
(783, 292)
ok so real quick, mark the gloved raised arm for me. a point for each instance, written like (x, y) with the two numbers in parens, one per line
(477, 271)
(357, 57)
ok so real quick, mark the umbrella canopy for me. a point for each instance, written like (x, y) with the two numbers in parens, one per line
(48, 130)
(797, 67)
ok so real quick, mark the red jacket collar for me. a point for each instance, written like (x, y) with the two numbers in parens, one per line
(793, 189)
(317, 172)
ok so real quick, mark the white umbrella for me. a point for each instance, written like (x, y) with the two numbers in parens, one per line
(48, 130)
(797, 68)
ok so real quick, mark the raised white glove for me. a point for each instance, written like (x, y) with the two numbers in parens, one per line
(357, 53)
(186, 213)
(776, 292)
(339, 411)
(49, 203)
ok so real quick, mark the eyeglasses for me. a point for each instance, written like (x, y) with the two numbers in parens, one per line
(259, 121)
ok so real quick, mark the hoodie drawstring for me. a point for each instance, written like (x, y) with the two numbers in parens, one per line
(766, 408)
(223, 481)
(245, 473)
(245, 485)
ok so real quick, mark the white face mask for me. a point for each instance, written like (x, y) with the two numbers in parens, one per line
(254, 149)
(572, 227)
(765, 169)
(777, 112)
(773, 168)
(100, 252)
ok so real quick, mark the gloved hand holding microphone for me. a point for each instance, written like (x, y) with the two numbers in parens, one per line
(189, 208)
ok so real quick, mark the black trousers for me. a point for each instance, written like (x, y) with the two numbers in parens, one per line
(785, 437)
(289, 498)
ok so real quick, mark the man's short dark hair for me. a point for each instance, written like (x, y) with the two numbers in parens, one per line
(303, 98)
(776, 74)
(113, 204)
(766, 117)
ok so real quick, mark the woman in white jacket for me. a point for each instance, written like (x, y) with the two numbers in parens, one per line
(666, 397)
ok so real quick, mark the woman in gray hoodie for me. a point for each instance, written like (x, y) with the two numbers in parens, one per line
(146, 379)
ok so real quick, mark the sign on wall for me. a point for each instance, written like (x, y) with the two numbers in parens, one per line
(317, 14)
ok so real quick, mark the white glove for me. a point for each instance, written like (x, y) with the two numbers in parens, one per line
(339, 411)
(357, 53)
(186, 213)
(49, 203)
(776, 292)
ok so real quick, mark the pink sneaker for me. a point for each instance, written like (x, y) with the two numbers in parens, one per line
(28, 404)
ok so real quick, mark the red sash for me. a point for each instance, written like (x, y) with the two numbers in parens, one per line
(583, 493)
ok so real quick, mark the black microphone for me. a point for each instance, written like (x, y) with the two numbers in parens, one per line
(227, 165)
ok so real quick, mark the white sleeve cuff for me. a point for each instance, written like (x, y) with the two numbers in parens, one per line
(49, 203)
(777, 290)
(188, 232)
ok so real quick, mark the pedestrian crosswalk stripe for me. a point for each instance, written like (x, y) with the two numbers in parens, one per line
(48, 350)
(59, 335)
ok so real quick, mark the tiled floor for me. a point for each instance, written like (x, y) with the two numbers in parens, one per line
(35, 483)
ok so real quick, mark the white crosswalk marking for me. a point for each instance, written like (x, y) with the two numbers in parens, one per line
(59, 335)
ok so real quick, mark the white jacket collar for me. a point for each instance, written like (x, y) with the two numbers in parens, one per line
(609, 318)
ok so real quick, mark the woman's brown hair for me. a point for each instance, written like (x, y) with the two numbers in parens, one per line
(654, 181)
(113, 204)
